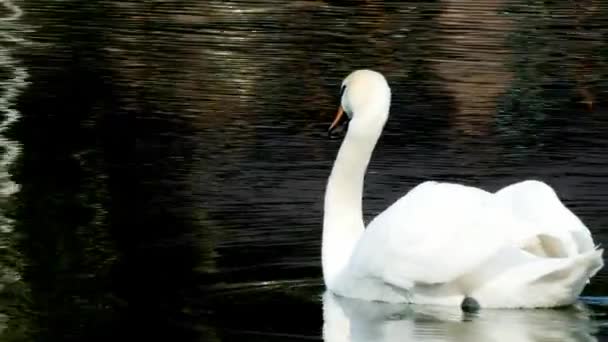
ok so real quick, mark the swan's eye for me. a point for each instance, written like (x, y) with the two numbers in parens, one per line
(342, 90)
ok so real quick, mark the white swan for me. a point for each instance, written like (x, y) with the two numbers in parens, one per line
(443, 243)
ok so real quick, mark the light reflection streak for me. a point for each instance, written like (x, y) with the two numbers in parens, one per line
(10, 88)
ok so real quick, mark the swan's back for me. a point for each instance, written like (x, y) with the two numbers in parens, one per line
(432, 235)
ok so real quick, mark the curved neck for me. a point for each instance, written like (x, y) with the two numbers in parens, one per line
(343, 212)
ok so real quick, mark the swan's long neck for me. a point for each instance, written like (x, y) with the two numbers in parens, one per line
(343, 216)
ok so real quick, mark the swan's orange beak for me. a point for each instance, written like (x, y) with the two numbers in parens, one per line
(339, 115)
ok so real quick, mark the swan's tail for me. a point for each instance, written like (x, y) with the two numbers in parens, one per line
(598, 260)
(539, 282)
(566, 282)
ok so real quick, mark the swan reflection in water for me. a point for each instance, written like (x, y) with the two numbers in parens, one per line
(351, 320)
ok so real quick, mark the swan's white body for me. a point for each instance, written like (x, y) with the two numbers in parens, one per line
(519, 247)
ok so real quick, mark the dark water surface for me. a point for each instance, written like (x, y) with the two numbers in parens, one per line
(164, 162)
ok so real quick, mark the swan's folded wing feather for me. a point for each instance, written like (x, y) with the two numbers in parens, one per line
(441, 258)
(436, 233)
(536, 203)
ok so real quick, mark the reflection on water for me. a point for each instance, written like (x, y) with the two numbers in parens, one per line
(13, 77)
(479, 75)
(347, 320)
(172, 155)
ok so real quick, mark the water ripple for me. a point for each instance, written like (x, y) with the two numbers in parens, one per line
(10, 88)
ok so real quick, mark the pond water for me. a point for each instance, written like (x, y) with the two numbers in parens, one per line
(164, 162)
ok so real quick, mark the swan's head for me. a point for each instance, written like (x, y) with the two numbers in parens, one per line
(365, 98)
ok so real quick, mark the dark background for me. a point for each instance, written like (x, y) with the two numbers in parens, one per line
(173, 154)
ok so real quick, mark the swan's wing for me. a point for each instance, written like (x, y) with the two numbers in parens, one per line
(434, 234)
(537, 204)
